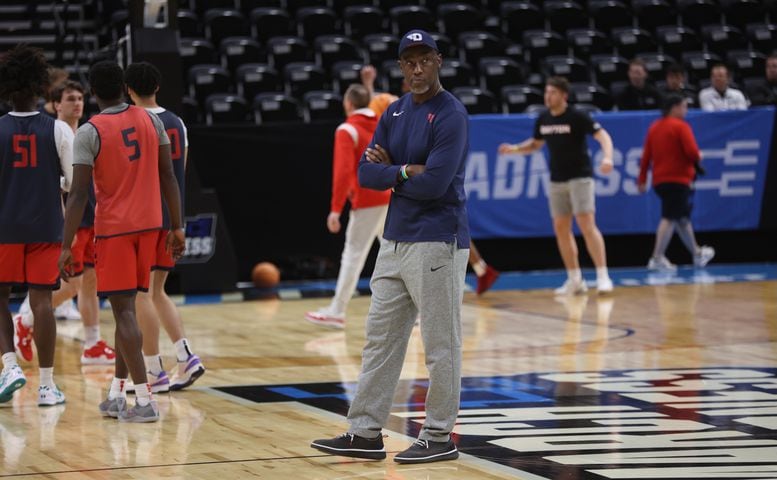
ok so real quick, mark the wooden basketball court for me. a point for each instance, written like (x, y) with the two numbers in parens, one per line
(692, 363)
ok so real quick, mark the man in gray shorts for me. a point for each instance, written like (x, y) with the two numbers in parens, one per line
(572, 184)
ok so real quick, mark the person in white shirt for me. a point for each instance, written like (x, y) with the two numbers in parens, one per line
(719, 96)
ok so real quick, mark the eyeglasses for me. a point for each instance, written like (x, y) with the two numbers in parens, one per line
(424, 63)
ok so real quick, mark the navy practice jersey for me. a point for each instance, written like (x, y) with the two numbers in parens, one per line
(177, 133)
(30, 195)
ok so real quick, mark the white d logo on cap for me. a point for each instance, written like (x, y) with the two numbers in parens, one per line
(415, 37)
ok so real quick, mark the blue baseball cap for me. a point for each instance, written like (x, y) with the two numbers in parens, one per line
(415, 38)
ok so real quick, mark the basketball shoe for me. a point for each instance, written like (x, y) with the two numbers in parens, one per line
(23, 338)
(604, 285)
(661, 264)
(188, 372)
(324, 318)
(110, 407)
(703, 257)
(159, 383)
(98, 354)
(486, 280)
(48, 396)
(140, 414)
(11, 380)
(572, 287)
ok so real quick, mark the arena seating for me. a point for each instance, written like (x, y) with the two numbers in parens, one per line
(496, 53)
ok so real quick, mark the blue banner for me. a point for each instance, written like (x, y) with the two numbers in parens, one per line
(507, 194)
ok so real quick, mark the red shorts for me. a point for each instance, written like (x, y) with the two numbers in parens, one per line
(123, 263)
(83, 250)
(164, 260)
(31, 264)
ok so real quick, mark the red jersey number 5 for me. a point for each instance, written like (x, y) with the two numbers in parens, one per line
(26, 150)
(131, 143)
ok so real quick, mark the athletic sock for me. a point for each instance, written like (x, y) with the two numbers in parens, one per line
(91, 335)
(117, 388)
(143, 394)
(480, 267)
(182, 350)
(575, 275)
(602, 273)
(153, 364)
(9, 360)
(47, 377)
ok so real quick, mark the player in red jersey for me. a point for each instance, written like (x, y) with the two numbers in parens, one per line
(127, 151)
(34, 151)
(143, 81)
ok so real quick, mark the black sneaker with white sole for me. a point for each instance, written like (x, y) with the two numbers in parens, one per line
(349, 445)
(424, 451)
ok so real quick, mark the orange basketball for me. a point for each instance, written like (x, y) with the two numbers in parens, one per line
(265, 275)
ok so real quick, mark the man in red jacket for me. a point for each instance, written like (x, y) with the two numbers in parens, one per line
(671, 148)
(368, 207)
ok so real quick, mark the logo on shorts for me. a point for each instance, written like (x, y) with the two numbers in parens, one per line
(200, 238)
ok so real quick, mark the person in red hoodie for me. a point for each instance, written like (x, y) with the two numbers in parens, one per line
(671, 149)
(368, 207)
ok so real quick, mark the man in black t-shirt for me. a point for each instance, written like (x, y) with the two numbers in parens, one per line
(572, 185)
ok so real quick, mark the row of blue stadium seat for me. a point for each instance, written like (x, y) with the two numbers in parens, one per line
(316, 104)
(490, 73)
(274, 107)
(537, 44)
(514, 18)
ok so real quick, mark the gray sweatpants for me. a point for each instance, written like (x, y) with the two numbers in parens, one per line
(412, 278)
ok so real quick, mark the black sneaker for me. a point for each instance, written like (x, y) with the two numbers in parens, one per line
(424, 451)
(349, 445)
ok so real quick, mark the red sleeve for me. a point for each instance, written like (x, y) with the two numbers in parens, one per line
(688, 142)
(647, 153)
(343, 170)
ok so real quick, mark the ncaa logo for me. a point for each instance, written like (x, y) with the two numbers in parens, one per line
(415, 37)
(200, 238)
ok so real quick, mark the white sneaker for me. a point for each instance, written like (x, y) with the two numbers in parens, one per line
(701, 259)
(322, 317)
(604, 285)
(48, 396)
(67, 311)
(159, 383)
(662, 264)
(11, 379)
(572, 287)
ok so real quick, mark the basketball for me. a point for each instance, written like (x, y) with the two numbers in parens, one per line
(265, 275)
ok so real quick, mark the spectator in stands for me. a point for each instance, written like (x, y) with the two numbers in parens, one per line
(675, 84)
(639, 94)
(486, 274)
(719, 96)
(766, 92)
(670, 148)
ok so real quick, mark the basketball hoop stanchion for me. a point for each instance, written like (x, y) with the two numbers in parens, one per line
(153, 37)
